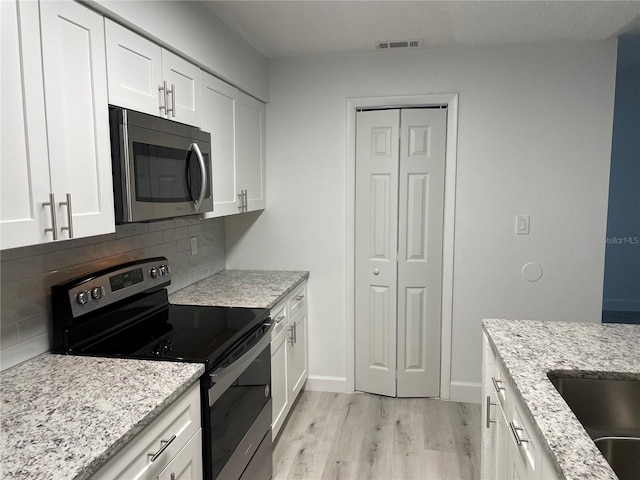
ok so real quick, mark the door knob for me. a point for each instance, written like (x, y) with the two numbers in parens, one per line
(376, 271)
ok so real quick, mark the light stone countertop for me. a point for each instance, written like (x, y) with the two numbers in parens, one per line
(530, 349)
(64, 416)
(241, 288)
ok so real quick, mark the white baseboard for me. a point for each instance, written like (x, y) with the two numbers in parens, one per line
(318, 383)
(469, 392)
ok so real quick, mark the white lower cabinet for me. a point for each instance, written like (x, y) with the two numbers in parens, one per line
(170, 447)
(289, 354)
(187, 465)
(511, 449)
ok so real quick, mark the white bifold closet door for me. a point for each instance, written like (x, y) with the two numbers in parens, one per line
(400, 157)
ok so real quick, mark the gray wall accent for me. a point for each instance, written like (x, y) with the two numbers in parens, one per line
(28, 273)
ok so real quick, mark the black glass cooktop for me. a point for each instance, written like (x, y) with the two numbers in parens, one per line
(186, 333)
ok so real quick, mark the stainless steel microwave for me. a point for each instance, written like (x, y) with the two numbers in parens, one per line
(161, 168)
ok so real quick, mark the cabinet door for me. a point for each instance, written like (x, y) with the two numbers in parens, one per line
(298, 357)
(490, 412)
(24, 157)
(134, 68)
(183, 80)
(75, 81)
(280, 398)
(187, 464)
(218, 118)
(250, 163)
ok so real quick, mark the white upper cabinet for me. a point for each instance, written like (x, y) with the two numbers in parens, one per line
(250, 151)
(56, 166)
(218, 118)
(145, 77)
(75, 84)
(236, 123)
(24, 157)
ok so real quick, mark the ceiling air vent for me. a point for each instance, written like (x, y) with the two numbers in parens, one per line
(399, 44)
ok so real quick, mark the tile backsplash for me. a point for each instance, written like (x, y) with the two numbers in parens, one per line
(28, 273)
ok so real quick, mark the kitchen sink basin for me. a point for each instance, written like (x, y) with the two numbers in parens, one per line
(605, 407)
(623, 454)
(609, 410)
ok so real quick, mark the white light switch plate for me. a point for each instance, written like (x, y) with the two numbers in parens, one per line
(522, 224)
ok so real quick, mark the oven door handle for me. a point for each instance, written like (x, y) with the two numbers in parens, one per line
(203, 171)
(223, 378)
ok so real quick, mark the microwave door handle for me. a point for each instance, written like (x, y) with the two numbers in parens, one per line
(203, 171)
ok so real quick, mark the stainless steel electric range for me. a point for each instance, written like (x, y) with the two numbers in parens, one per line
(124, 311)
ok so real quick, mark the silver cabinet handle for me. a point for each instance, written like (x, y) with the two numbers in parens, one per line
(172, 92)
(376, 271)
(295, 332)
(292, 334)
(299, 297)
(497, 384)
(54, 224)
(69, 215)
(279, 319)
(163, 446)
(242, 196)
(241, 201)
(514, 431)
(163, 88)
(203, 171)
(488, 412)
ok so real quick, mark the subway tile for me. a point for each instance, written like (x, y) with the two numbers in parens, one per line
(183, 245)
(174, 234)
(32, 327)
(22, 268)
(129, 229)
(178, 258)
(9, 336)
(114, 247)
(195, 230)
(66, 258)
(81, 242)
(189, 220)
(147, 240)
(31, 250)
(32, 287)
(8, 292)
(161, 225)
(163, 250)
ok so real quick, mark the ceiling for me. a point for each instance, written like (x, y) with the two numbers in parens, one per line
(298, 28)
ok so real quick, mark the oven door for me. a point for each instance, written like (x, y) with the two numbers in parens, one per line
(163, 175)
(237, 415)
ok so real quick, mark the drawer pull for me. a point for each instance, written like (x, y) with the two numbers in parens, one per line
(299, 298)
(516, 435)
(163, 446)
(497, 384)
(279, 319)
(488, 419)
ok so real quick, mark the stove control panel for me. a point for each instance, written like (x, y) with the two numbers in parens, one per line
(99, 289)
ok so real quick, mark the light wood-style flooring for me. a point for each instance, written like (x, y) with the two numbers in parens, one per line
(363, 436)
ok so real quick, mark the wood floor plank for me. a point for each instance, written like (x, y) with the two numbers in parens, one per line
(362, 436)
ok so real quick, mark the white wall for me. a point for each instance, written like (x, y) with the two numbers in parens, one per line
(534, 138)
(193, 31)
